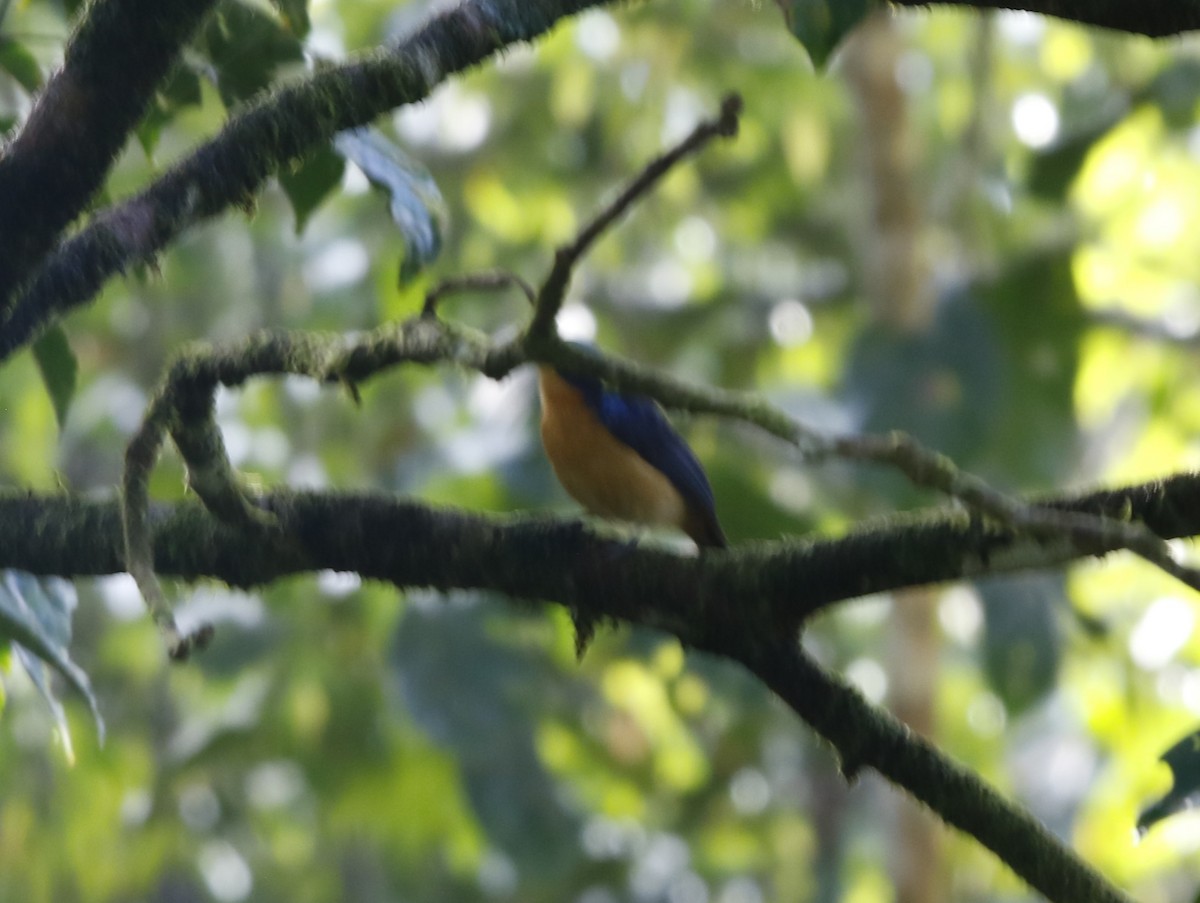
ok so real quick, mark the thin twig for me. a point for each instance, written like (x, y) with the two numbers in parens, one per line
(140, 457)
(931, 470)
(553, 289)
(482, 282)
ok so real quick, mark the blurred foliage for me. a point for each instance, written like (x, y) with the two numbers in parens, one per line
(340, 741)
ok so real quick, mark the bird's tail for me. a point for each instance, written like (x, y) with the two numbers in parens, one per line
(704, 530)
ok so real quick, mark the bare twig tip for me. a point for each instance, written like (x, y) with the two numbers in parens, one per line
(182, 646)
(479, 282)
(731, 111)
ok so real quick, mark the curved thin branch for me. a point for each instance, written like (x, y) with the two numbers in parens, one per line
(475, 282)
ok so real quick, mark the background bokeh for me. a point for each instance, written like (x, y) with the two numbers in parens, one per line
(977, 228)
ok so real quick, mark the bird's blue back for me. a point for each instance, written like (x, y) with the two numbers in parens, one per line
(640, 423)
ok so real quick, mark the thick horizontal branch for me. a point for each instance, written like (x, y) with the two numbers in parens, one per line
(761, 585)
(1154, 18)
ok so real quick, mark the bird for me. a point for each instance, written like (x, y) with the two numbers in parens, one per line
(617, 454)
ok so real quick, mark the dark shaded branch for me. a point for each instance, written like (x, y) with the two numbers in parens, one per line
(868, 736)
(287, 125)
(115, 60)
(383, 537)
(284, 126)
(1154, 18)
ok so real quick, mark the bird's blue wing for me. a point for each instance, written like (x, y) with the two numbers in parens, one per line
(640, 423)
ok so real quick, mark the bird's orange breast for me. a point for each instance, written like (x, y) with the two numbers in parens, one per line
(599, 471)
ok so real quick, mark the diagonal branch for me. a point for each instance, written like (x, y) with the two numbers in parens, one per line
(865, 735)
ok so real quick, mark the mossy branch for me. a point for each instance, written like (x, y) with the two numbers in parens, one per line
(382, 536)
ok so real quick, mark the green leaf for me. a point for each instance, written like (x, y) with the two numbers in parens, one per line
(1184, 761)
(71, 7)
(1022, 644)
(472, 692)
(1175, 91)
(942, 385)
(820, 25)
(246, 46)
(59, 369)
(35, 614)
(295, 15)
(417, 206)
(310, 183)
(17, 61)
(182, 89)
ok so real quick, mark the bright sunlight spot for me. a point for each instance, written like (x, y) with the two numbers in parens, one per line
(1161, 631)
(1035, 120)
(597, 35)
(226, 873)
(791, 323)
(576, 322)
